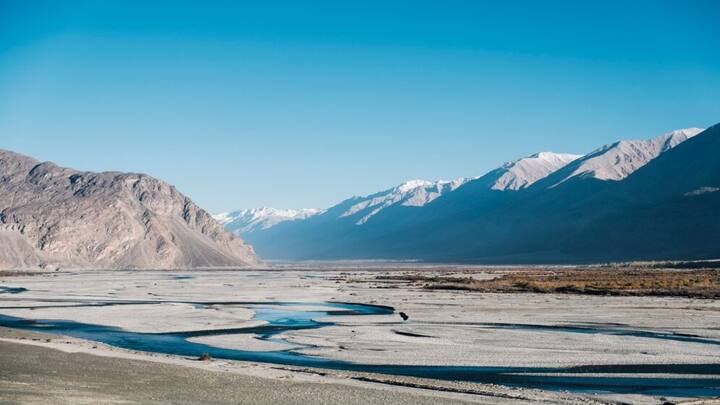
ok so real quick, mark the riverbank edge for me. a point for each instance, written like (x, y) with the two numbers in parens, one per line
(87, 354)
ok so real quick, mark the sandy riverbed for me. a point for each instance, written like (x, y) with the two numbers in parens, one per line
(445, 327)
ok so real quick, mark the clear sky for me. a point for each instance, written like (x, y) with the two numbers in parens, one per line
(304, 103)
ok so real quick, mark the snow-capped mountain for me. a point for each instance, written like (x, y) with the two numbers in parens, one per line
(523, 172)
(413, 193)
(543, 208)
(513, 175)
(618, 160)
(249, 220)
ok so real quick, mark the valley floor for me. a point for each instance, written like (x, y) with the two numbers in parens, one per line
(37, 374)
(641, 344)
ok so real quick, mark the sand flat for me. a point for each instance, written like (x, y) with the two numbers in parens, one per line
(151, 318)
(445, 327)
(34, 374)
(243, 342)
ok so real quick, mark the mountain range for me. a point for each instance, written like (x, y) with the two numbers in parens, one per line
(55, 217)
(656, 199)
(653, 199)
(254, 219)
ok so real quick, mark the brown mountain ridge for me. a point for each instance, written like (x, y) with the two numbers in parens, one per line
(51, 216)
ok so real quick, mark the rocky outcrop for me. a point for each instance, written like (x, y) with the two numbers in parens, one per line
(52, 216)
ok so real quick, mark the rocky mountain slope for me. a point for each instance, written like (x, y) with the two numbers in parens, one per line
(52, 216)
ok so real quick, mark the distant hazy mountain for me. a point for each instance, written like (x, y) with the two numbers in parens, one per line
(254, 219)
(545, 208)
(52, 216)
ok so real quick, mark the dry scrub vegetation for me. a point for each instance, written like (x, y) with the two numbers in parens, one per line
(703, 283)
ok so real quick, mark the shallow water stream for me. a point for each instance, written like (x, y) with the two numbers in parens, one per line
(690, 380)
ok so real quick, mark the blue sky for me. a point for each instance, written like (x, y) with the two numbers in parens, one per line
(302, 104)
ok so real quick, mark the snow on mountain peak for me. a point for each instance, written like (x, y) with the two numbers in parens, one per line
(688, 132)
(674, 138)
(523, 172)
(249, 220)
(412, 184)
(413, 193)
(618, 160)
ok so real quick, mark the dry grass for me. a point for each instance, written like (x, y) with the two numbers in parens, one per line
(703, 283)
(205, 357)
(21, 273)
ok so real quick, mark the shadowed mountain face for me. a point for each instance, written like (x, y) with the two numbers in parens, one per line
(58, 217)
(631, 200)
